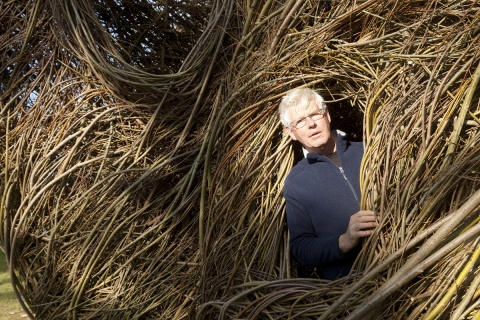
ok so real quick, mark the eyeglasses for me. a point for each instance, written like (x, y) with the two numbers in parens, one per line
(300, 123)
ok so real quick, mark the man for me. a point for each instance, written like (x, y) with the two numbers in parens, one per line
(322, 191)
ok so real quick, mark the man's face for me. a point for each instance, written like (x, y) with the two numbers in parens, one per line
(315, 136)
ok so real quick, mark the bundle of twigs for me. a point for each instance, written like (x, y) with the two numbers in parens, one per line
(102, 144)
(413, 68)
(143, 160)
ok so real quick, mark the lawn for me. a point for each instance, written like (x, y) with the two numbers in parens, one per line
(9, 307)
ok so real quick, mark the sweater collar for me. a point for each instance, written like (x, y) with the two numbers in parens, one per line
(341, 147)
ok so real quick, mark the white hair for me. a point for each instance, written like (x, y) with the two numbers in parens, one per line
(299, 101)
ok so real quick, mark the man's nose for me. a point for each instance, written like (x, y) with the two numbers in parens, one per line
(310, 123)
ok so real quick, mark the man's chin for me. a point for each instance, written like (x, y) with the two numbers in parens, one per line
(318, 145)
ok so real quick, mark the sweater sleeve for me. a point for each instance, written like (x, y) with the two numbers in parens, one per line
(306, 246)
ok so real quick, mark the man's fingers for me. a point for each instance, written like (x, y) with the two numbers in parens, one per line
(363, 226)
(364, 219)
(365, 233)
(370, 225)
(365, 213)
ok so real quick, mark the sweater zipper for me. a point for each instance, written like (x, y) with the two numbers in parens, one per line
(349, 184)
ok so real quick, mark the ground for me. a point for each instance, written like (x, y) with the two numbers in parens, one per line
(9, 307)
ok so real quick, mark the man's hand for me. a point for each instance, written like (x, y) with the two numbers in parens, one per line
(361, 225)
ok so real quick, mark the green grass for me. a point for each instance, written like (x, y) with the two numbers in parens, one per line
(9, 307)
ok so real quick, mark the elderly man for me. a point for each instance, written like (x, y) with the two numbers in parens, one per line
(322, 191)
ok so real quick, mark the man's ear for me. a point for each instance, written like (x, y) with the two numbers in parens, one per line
(290, 132)
(328, 116)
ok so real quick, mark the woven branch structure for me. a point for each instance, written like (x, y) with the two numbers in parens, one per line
(142, 159)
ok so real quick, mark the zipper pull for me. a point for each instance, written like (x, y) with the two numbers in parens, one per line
(343, 172)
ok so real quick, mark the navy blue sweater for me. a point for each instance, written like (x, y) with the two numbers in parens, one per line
(320, 200)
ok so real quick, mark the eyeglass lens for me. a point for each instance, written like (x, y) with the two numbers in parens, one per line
(302, 121)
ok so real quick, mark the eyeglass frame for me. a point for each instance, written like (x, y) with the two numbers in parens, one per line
(321, 114)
